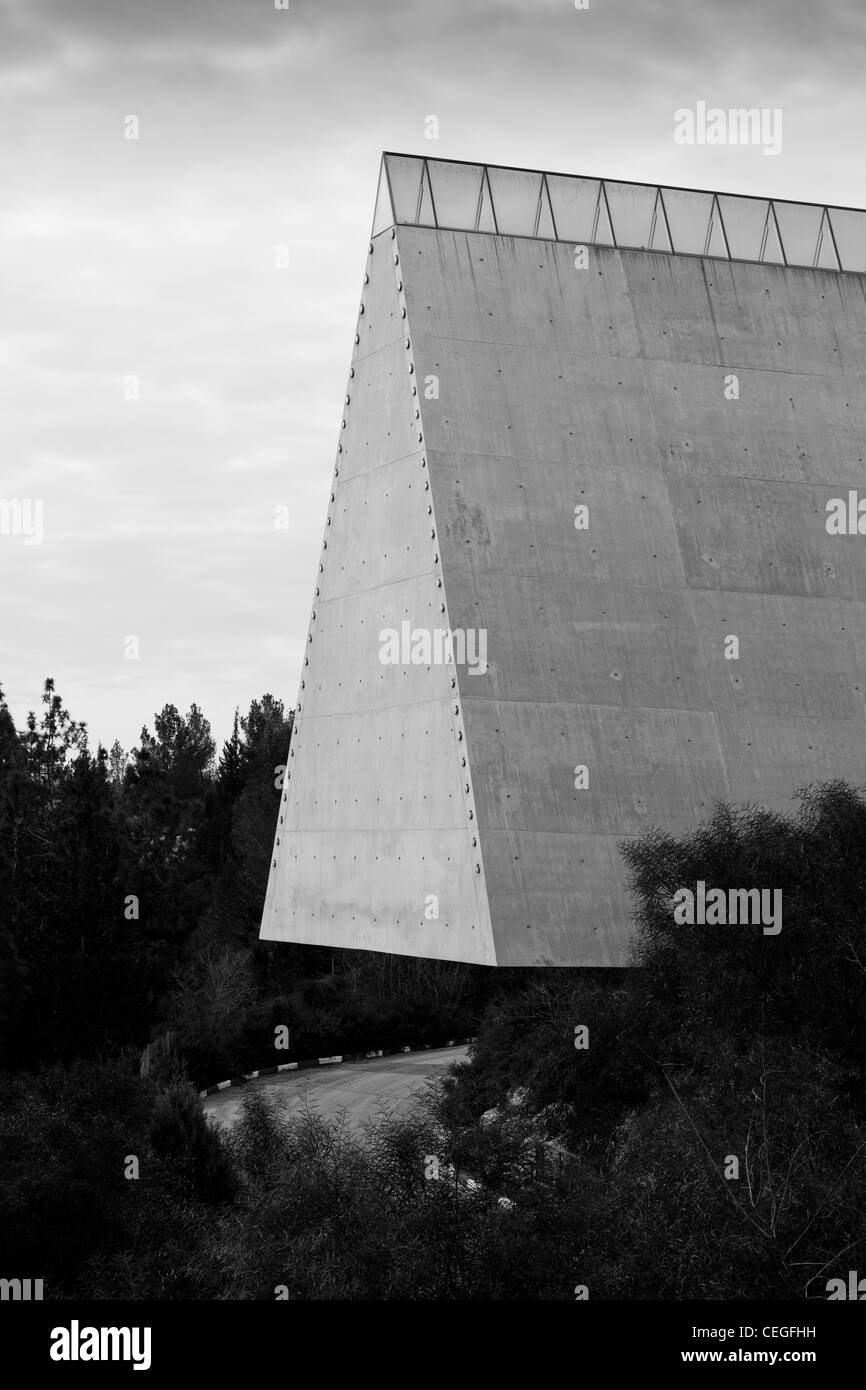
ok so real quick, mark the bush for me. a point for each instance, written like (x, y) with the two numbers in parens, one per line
(193, 1158)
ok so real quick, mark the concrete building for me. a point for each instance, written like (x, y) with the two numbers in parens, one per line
(616, 435)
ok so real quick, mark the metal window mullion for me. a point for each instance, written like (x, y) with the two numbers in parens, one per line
(717, 207)
(426, 173)
(772, 212)
(833, 236)
(653, 220)
(602, 194)
(479, 202)
(390, 190)
(706, 250)
(546, 191)
(485, 183)
(819, 241)
(660, 198)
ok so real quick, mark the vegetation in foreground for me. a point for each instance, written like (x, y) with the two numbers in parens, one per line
(708, 1142)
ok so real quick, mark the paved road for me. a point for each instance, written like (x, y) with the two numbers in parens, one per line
(359, 1088)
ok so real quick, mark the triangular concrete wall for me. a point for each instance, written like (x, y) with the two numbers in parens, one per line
(376, 828)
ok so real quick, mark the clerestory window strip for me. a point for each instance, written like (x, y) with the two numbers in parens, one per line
(460, 196)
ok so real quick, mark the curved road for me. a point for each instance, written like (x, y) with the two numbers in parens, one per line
(362, 1089)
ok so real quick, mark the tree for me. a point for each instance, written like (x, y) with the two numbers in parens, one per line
(49, 743)
(208, 1007)
(118, 761)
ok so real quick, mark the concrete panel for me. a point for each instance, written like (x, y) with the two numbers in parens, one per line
(382, 425)
(783, 427)
(368, 891)
(557, 900)
(641, 750)
(554, 639)
(769, 757)
(383, 768)
(345, 674)
(379, 528)
(760, 316)
(381, 322)
(499, 289)
(532, 506)
(540, 404)
(808, 322)
(797, 657)
(770, 537)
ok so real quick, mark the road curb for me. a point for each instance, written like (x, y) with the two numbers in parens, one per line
(329, 1062)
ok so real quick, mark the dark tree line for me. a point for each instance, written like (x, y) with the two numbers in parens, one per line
(117, 869)
(131, 892)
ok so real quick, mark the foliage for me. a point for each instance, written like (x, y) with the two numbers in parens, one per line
(131, 886)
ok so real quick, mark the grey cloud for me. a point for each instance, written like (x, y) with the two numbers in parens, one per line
(258, 128)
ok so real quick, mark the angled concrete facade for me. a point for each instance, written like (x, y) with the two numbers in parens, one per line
(375, 817)
(704, 411)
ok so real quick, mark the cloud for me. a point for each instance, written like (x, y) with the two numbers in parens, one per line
(155, 258)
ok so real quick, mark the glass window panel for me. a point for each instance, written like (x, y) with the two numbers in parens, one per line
(404, 175)
(574, 202)
(799, 226)
(772, 252)
(426, 215)
(660, 240)
(688, 218)
(631, 208)
(383, 216)
(515, 200)
(546, 228)
(849, 229)
(456, 188)
(827, 258)
(716, 244)
(486, 220)
(745, 220)
(602, 233)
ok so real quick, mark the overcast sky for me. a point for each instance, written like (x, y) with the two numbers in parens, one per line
(154, 258)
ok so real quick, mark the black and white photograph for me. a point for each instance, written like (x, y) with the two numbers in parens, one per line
(432, 678)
